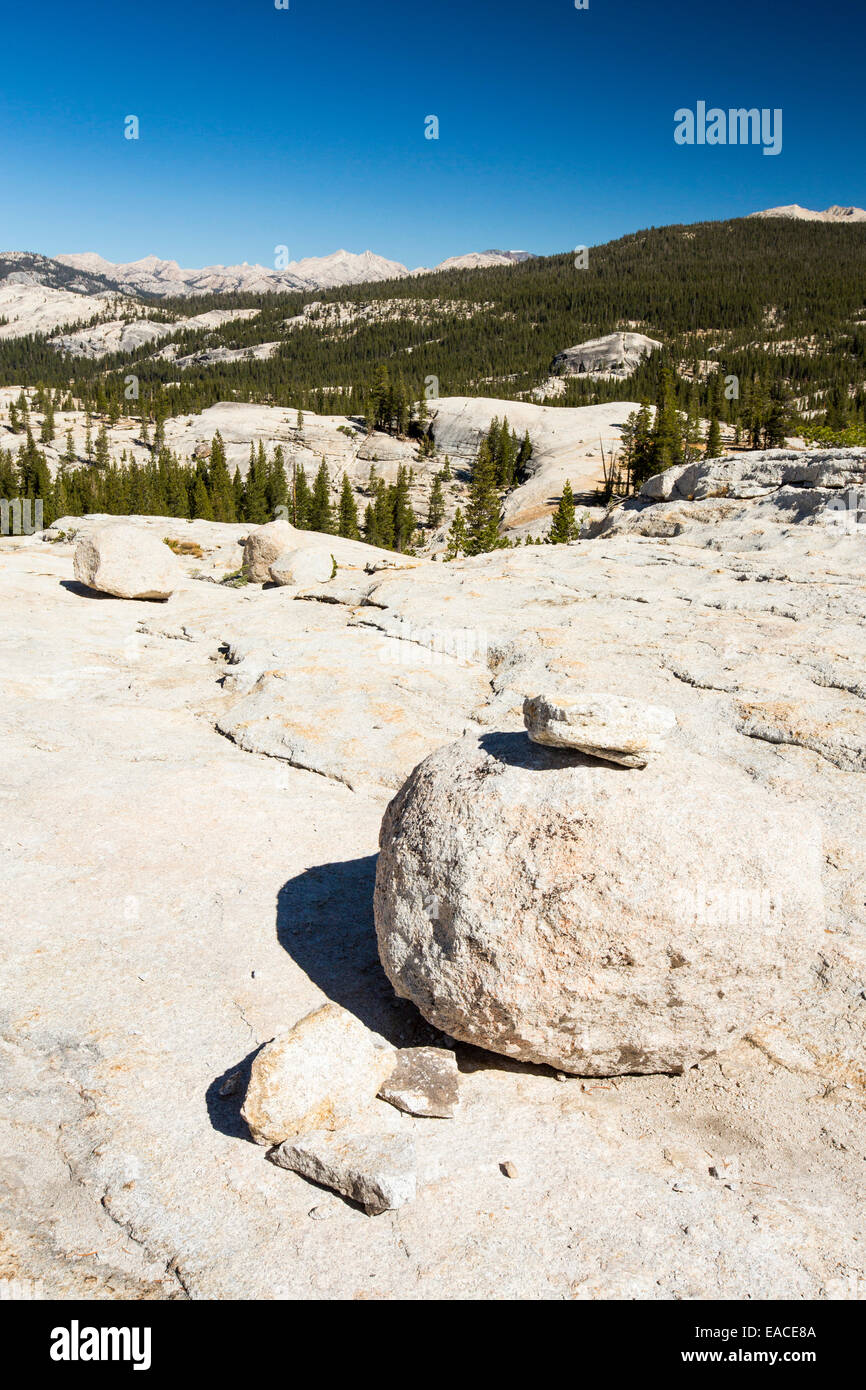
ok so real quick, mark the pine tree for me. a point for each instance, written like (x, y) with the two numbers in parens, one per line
(371, 529)
(321, 517)
(714, 435)
(255, 500)
(348, 516)
(381, 399)
(776, 427)
(47, 431)
(276, 484)
(523, 457)
(436, 507)
(201, 501)
(564, 528)
(219, 483)
(482, 511)
(692, 428)
(667, 434)
(102, 457)
(642, 460)
(384, 510)
(303, 500)
(404, 522)
(458, 541)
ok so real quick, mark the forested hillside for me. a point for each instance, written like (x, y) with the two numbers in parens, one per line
(779, 304)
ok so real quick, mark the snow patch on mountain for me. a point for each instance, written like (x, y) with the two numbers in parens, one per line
(153, 276)
(832, 214)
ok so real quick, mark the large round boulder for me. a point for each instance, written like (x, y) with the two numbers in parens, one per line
(558, 909)
(263, 546)
(126, 561)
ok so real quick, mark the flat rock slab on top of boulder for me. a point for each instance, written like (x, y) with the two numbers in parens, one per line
(377, 1171)
(589, 919)
(319, 1074)
(424, 1082)
(611, 727)
(127, 562)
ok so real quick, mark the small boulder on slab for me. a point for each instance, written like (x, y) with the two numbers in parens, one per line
(298, 569)
(424, 1082)
(610, 727)
(263, 546)
(375, 1170)
(320, 1074)
(126, 561)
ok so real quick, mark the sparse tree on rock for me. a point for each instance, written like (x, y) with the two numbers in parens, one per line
(458, 541)
(436, 507)
(482, 512)
(564, 528)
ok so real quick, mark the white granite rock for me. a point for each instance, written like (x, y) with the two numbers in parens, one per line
(605, 726)
(564, 911)
(318, 1075)
(377, 1171)
(127, 562)
(298, 569)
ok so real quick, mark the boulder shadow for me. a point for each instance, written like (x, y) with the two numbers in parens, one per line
(471, 1058)
(74, 586)
(518, 750)
(224, 1110)
(325, 923)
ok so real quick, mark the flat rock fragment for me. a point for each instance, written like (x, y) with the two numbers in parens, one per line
(610, 727)
(377, 1171)
(424, 1082)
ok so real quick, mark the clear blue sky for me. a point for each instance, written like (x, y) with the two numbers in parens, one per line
(305, 126)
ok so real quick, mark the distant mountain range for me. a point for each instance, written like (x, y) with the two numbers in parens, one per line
(86, 272)
(152, 276)
(831, 214)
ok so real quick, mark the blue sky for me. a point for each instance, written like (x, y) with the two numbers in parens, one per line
(305, 127)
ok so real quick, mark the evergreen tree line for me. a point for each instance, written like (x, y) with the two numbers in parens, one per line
(165, 486)
(655, 440)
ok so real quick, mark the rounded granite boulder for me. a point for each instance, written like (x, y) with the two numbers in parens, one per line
(558, 909)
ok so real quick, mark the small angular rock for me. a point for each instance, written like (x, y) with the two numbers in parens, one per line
(320, 1074)
(377, 1171)
(424, 1082)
